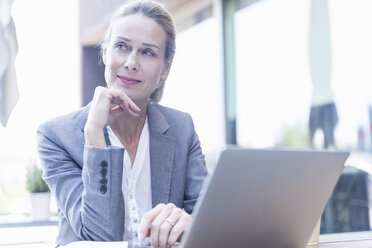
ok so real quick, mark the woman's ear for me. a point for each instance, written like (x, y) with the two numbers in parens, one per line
(166, 68)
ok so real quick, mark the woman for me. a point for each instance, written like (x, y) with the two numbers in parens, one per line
(125, 167)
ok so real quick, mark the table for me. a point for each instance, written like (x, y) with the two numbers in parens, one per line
(339, 240)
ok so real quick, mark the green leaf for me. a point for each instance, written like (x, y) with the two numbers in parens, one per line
(34, 180)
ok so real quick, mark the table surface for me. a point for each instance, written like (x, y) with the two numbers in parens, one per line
(340, 240)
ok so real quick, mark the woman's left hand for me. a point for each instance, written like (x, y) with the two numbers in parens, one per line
(164, 224)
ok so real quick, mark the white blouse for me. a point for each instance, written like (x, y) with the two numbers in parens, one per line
(136, 183)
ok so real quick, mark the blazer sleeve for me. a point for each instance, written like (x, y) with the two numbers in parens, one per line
(196, 171)
(89, 195)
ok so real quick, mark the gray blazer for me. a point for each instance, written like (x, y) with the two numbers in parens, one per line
(86, 181)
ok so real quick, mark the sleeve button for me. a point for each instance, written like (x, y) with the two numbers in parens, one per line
(103, 181)
(104, 164)
(103, 189)
(104, 172)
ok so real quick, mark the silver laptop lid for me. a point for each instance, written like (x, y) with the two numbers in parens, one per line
(263, 198)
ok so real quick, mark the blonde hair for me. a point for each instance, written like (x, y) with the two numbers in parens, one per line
(159, 14)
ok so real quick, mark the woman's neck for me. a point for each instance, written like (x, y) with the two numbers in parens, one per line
(128, 128)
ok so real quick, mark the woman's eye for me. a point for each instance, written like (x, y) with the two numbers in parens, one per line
(121, 46)
(149, 53)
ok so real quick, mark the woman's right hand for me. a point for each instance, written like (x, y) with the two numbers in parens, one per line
(107, 105)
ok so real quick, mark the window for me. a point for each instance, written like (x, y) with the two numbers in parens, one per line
(195, 83)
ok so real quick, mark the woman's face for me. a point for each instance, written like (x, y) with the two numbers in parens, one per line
(134, 56)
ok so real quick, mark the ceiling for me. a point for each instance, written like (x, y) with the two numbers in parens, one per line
(94, 15)
(173, 5)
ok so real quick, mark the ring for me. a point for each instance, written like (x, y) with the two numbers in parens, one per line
(169, 221)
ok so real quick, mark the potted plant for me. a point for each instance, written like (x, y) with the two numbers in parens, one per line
(39, 194)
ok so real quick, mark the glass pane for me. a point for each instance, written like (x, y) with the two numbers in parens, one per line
(278, 84)
(351, 28)
(195, 83)
(273, 81)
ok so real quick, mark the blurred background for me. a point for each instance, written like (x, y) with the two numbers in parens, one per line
(291, 74)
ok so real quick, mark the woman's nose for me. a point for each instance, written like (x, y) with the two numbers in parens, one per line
(131, 62)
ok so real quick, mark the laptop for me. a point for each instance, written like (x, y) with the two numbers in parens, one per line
(263, 198)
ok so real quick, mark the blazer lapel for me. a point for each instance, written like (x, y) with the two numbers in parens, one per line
(162, 149)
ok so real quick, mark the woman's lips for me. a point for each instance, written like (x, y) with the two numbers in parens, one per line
(129, 81)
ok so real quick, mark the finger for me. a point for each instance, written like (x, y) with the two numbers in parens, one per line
(179, 228)
(117, 100)
(123, 106)
(126, 103)
(115, 108)
(133, 113)
(133, 106)
(100, 106)
(103, 94)
(164, 231)
(167, 226)
(98, 91)
(158, 221)
(126, 100)
(147, 218)
(130, 111)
